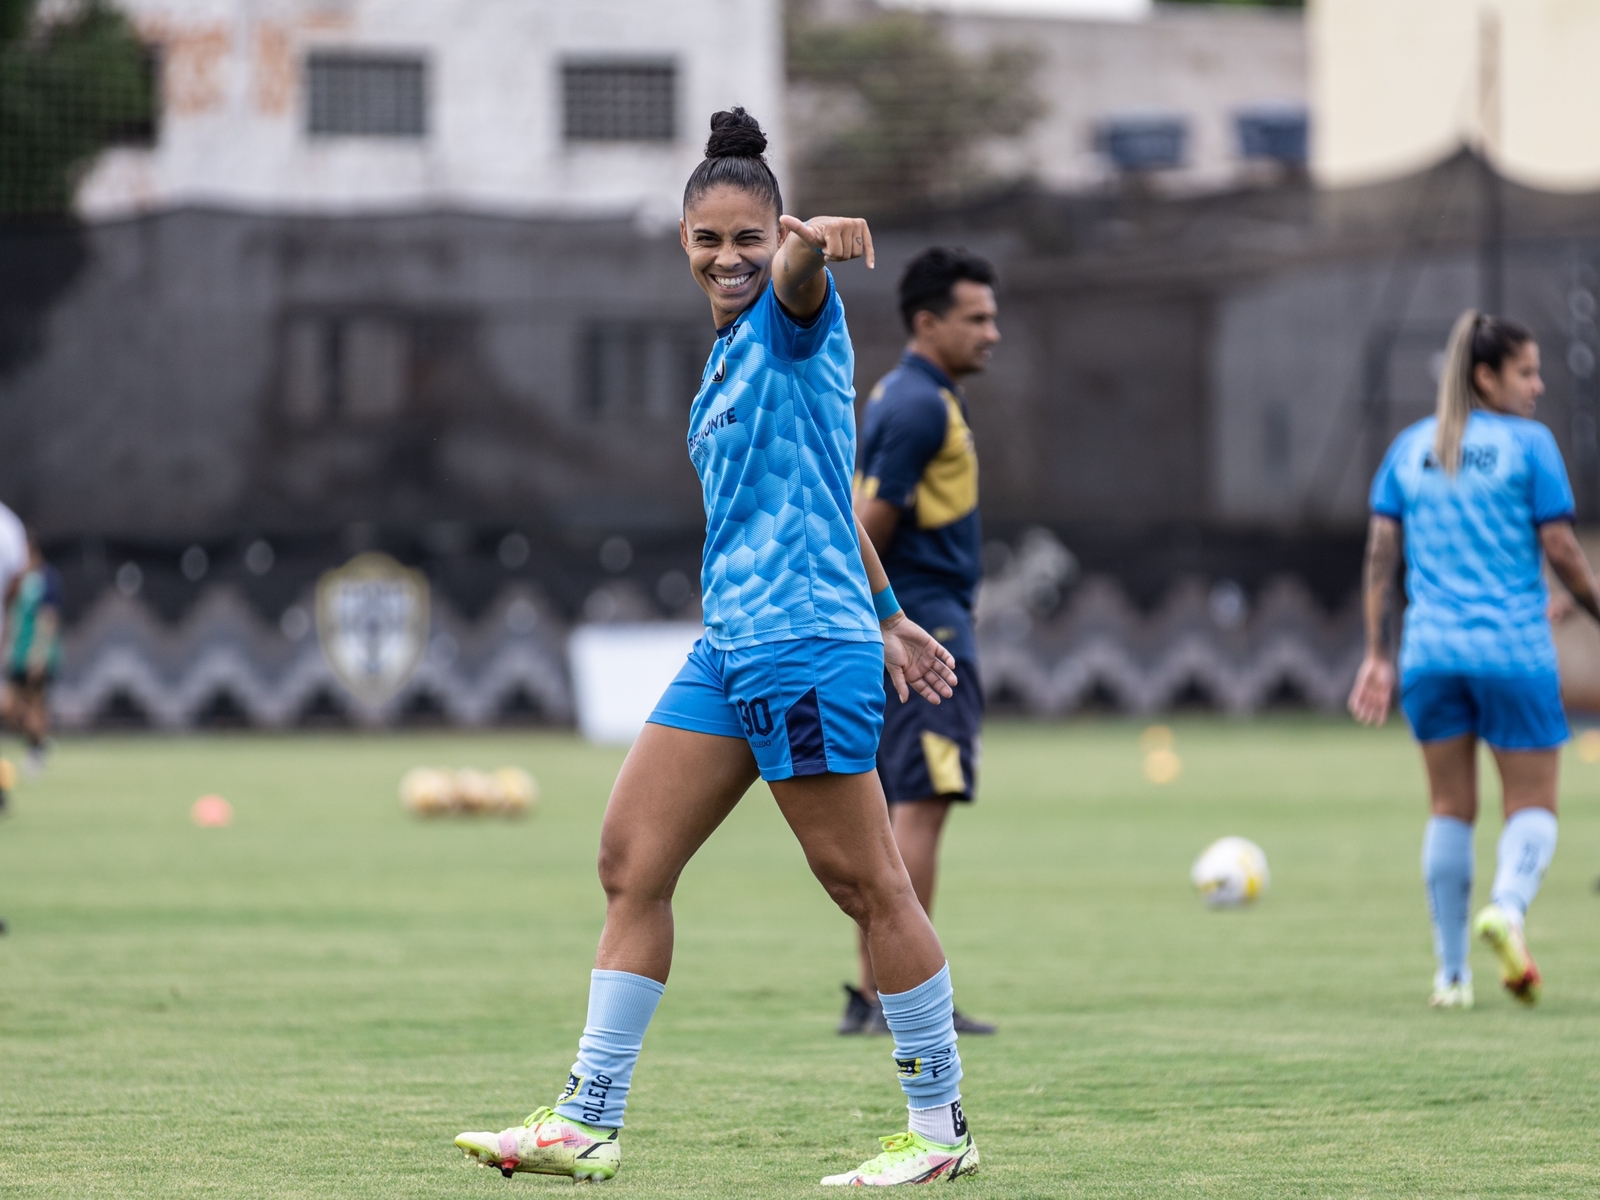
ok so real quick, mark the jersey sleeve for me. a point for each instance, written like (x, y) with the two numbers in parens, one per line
(1552, 491)
(905, 437)
(792, 339)
(1386, 499)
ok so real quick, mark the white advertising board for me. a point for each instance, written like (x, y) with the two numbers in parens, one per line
(620, 671)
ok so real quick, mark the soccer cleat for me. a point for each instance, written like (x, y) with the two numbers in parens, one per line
(862, 1014)
(911, 1158)
(1454, 995)
(1503, 934)
(966, 1024)
(547, 1144)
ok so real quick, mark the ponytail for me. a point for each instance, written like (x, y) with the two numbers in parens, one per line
(1476, 338)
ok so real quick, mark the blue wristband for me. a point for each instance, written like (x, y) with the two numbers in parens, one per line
(885, 604)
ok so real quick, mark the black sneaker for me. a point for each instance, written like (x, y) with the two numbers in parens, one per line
(861, 1014)
(965, 1024)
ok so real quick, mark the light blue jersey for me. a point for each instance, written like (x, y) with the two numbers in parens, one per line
(772, 434)
(1474, 578)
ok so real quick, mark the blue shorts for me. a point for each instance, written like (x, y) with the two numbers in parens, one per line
(1512, 712)
(808, 707)
(931, 750)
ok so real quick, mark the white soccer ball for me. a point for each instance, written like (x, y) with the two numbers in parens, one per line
(1231, 872)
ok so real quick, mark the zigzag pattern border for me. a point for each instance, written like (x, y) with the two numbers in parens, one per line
(1053, 665)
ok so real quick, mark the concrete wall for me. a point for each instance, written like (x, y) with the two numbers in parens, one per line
(233, 106)
(1199, 62)
(1203, 63)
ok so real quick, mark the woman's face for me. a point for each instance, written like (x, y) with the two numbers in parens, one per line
(730, 237)
(1516, 387)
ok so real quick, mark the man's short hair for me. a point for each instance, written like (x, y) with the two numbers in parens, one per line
(930, 279)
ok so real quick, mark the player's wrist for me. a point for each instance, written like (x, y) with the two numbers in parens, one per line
(887, 607)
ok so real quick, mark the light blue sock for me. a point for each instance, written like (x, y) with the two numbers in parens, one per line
(924, 1026)
(1447, 872)
(620, 1008)
(1527, 844)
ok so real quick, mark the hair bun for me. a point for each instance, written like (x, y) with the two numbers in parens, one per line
(735, 134)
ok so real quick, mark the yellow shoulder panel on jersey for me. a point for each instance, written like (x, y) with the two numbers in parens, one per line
(949, 487)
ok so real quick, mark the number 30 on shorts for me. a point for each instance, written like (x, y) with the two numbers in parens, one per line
(757, 717)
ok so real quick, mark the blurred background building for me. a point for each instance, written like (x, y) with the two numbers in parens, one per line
(290, 281)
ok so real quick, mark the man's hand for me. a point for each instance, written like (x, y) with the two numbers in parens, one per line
(1369, 699)
(915, 660)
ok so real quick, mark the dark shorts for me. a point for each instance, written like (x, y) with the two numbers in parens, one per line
(18, 677)
(930, 750)
(1515, 712)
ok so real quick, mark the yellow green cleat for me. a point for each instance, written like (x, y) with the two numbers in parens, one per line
(1453, 995)
(547, 1144)
(911, 1158)
(1503, 934)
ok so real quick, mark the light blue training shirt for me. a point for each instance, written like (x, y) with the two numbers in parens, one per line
(772, 434)
(1474, 578)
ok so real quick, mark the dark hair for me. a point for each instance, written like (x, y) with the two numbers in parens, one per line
(930, 279)
(735, 157)
(1477, 340)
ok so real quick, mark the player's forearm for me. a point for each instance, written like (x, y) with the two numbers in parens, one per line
(879, 519)
(1382, 559)
(1571, 567)
(797, 276)
(877, 577)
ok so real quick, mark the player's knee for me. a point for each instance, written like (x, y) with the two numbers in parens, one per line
(619, 873)
(863, 895)
(850, 896)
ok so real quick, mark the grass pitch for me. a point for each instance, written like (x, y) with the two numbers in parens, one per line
(313, 1001)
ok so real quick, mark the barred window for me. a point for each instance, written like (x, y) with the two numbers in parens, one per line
(143, 130)
(365, 95)
(620, 101)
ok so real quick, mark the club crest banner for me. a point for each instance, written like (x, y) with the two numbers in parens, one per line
(372, 623)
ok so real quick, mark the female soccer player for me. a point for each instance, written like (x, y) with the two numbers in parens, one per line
(786, 683)
(1475, 492)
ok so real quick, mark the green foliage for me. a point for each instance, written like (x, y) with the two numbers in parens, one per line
(69, 86)
(313, 1001)
(920, 111)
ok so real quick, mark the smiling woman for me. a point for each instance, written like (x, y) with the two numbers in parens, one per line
(786, 685)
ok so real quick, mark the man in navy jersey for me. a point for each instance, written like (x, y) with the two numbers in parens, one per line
(916, 494)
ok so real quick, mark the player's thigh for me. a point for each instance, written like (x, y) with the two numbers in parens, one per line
(842, 824)
(674, 789)
(919, 819)
(688, 768)
(1525, 725)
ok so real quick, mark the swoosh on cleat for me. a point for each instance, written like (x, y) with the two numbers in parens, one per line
(543, 1142)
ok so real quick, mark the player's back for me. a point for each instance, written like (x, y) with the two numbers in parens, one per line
(1474, 566)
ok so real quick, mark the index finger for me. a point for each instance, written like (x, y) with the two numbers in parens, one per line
(866, 232)
(807, 234)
